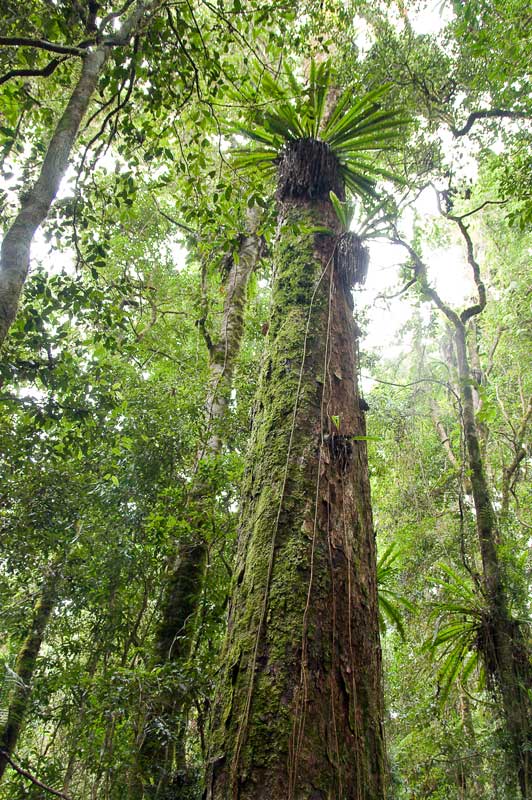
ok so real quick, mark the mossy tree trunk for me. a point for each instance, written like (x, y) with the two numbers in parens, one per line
(506, 655)
(161, 758)
(25, 667)
(298, 711)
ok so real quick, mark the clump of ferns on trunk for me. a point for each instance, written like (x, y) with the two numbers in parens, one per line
(313, 150)
(463, 637)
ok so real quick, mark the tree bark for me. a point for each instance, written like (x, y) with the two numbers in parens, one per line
(297, 714)
(509, 471)
(161, 753)
(25, 668)
(15, 250)
(446, 443)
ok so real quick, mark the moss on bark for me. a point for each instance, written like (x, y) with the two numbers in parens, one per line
(25, 666)
(298, 710)
(161, 756)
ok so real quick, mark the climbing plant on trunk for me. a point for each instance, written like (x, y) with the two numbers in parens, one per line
(298, 711)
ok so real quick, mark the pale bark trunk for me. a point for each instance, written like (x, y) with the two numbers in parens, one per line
(504, 650)
(446, 443)
(506, 654)
(509, 471)
(15, 250)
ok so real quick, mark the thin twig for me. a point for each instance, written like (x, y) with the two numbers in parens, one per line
(479, 208)
(413, 383)
(405, 288)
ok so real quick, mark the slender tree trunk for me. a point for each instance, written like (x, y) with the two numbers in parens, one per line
(77, 728)
(25, 667)
(15, 250)
(161, 753)
(468, 769)
(506, 654)
(446, 443)
(297, 714)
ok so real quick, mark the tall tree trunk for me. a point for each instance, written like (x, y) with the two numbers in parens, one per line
(15, 250)
(297, 713)
(161, 753)
(25, 667)
(505, 652)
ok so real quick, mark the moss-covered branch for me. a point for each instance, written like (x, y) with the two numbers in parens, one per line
(25, 667)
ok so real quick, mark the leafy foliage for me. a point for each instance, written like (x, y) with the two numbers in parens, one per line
(104, 375)
(459, 622)
(390, 600)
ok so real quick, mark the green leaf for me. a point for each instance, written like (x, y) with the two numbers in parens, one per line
(340, 209)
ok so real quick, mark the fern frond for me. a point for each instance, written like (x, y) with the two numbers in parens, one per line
(354, 130)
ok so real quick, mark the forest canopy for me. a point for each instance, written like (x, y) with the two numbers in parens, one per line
(265, 400)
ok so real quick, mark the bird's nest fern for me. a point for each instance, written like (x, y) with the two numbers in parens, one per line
(354, 133)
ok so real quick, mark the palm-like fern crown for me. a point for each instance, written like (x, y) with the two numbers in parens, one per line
(355, 131)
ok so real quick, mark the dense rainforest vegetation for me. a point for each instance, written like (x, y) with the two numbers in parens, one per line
(265, 400)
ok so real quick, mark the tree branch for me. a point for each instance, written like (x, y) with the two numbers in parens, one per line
(115, 14)
(493, 113)
(520, 454)
(174, 221)
(473, 263)
(42, 44)
(405, 288)
(33, 73)
(491, 356)
(483, 205)
(420, 273)
(413, 383)
(32, 778)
